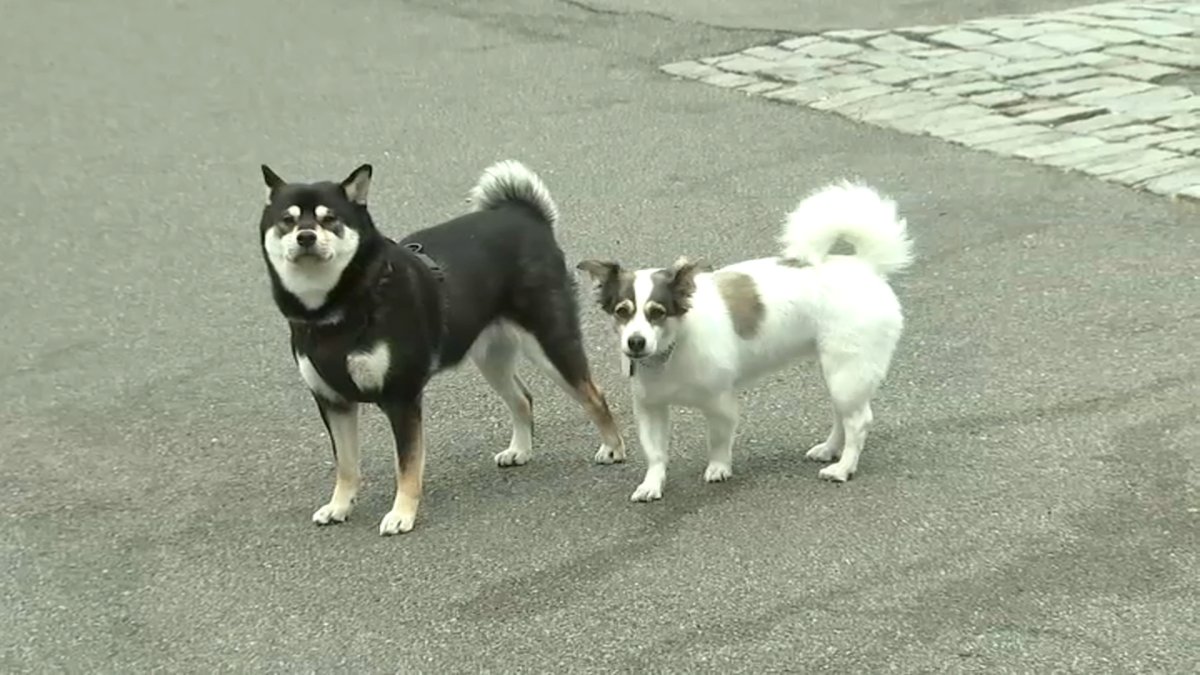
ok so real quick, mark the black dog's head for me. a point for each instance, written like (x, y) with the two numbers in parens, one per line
(311, 232)
(315, 224)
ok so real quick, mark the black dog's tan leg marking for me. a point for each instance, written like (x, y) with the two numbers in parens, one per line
(341, 421)
(566, 364)
(551, 339)
(612, 448)
(525, 393)
(410, 466)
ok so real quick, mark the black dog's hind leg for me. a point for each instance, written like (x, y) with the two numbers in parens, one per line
(557, 349)
(495, 354)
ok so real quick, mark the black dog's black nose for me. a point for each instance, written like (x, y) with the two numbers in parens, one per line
(306, 238)
(636, 343)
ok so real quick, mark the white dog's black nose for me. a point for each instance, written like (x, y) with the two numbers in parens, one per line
(636, 343)
(306, 238)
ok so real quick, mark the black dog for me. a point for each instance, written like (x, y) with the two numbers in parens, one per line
(373, 320)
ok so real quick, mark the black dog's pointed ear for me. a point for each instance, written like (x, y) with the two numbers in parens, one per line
(600, 270)
(358, 184)
(272, 179)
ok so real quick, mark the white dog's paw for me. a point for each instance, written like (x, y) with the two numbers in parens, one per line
(396, 522)
(333, 512)
(822, 452)
(512, 457)
(648, 491)
(608, 454)
(836, 472)
(717, 472)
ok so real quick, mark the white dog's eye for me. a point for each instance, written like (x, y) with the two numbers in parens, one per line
(623, 310)
(655, 312)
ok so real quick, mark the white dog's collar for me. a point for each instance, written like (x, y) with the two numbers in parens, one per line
(656, 361)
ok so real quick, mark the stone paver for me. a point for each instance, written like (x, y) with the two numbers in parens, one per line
(1098, 89)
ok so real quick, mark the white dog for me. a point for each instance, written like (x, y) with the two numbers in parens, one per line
(694, 338)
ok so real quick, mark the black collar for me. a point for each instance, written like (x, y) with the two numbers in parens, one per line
(330, 318)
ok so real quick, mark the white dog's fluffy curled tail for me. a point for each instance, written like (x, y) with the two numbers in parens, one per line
(855, 213)
(510, 181)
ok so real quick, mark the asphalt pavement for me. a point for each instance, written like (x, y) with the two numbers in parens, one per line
(1027, 500)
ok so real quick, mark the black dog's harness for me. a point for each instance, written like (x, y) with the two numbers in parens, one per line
(336, 316)
(415, 248)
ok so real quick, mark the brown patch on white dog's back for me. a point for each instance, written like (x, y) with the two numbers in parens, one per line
(741, 298)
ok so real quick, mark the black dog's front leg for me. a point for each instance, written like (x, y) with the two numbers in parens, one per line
(405, 417)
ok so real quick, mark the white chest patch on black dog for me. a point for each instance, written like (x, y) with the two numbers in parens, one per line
(369, 369)
(316, 384)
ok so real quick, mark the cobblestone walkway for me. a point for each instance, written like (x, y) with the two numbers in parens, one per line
(1109, 90)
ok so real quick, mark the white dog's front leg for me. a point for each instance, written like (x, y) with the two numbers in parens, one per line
(722, 418)
(654, 432)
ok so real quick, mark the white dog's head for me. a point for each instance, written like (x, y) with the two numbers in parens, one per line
(646, 305)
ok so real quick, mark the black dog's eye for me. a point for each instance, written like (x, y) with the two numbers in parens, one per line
(287, 219)
(655, 312)
(328, 218)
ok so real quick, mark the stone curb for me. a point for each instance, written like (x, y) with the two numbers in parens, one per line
(1082, 89)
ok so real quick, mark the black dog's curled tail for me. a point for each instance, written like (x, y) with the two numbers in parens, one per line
(510, 181)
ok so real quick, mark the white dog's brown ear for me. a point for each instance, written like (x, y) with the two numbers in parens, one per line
(685, 263)
(601, 271)
(611, 282)
(358, 184)
(272, 179)
(683, 276)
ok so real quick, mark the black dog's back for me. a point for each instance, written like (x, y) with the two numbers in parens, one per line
(501, 263)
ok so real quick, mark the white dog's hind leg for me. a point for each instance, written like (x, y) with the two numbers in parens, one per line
(831, 449)
(722, 418)
(654, 431)
(852, 378)
(856, 424)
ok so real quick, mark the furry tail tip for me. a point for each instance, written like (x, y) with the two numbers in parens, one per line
(853, 212)
(510, 181)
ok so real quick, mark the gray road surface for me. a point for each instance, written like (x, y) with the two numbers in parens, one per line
(1027, 501)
